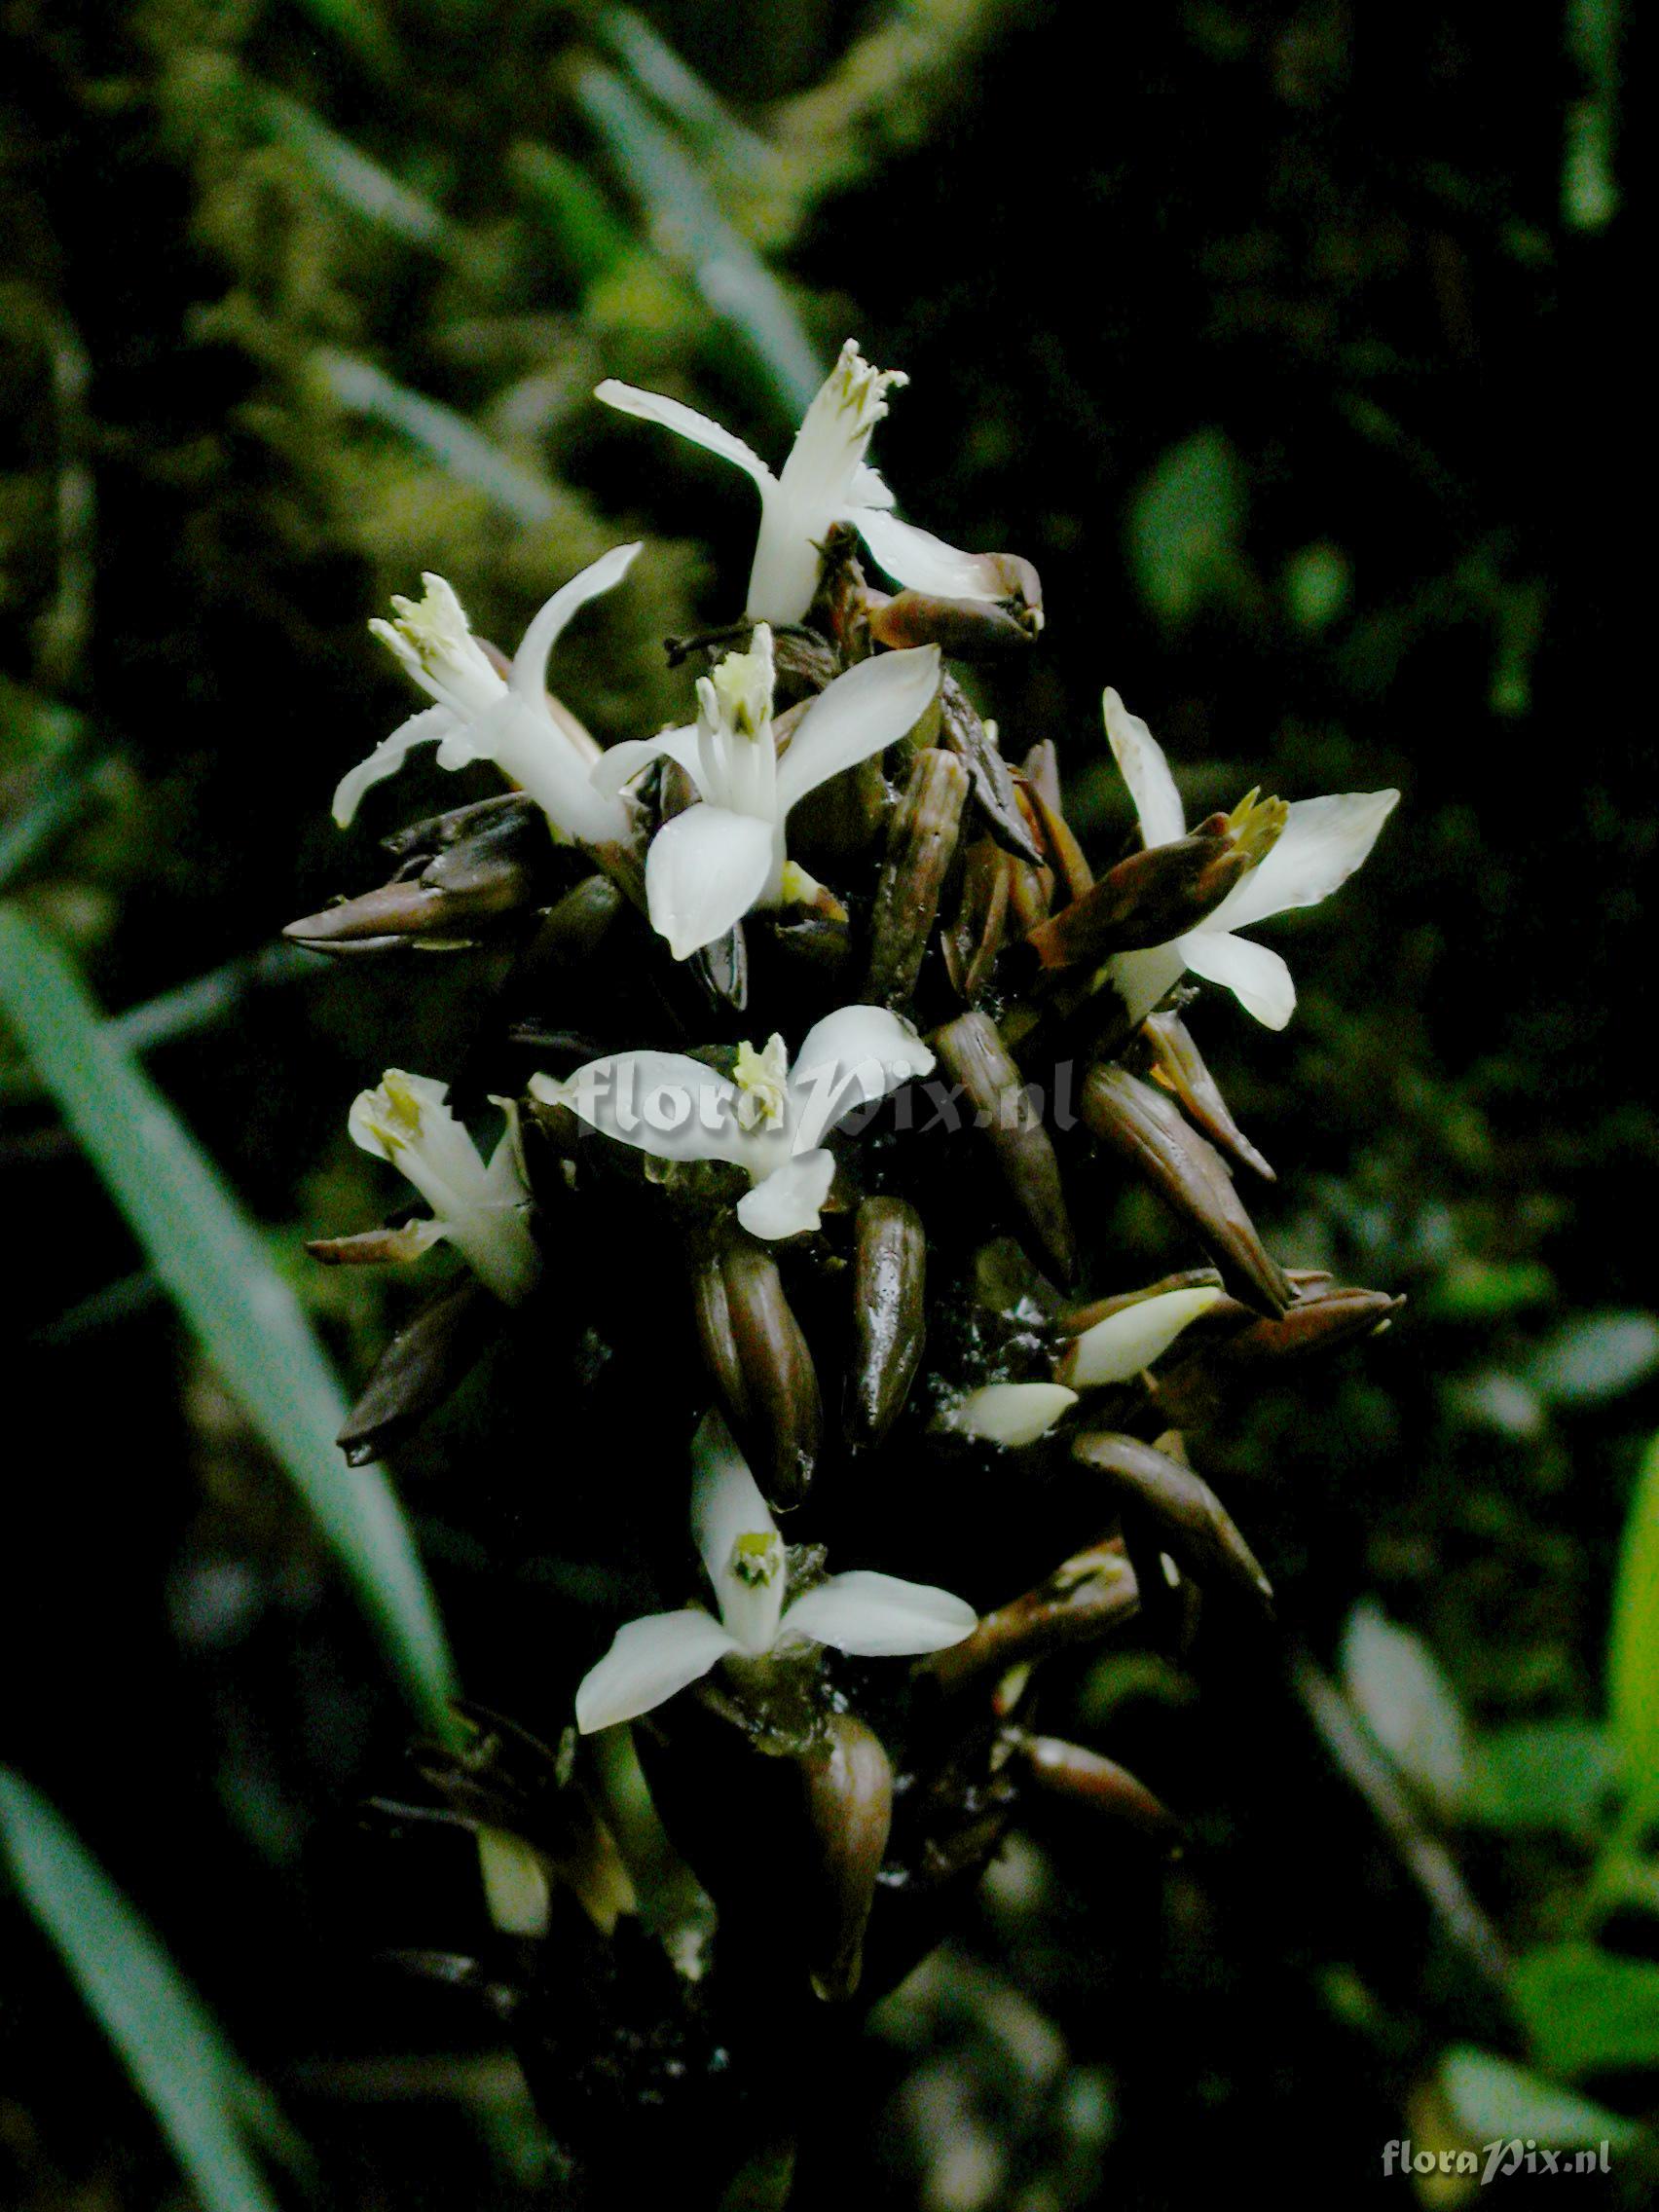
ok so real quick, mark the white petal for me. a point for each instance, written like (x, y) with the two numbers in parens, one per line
(863, 712)
(869, 488)
(856, 1054)
(1253, 972)
(1119, 1347)
(664, 1103)
(429, 726)
(920, 560)
(530, 663)
(620, 763)
(515, 1883)
(1011, 1413)
(1141, 978)
(788, 1202)
(1141, 763)
(727, 1508)
(879, 1616)
(704, 871)
(1319, 847)
(647, 1662)
(685, 422)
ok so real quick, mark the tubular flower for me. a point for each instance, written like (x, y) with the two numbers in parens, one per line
(826, 480)
(771, 1120)
(481, 714)
(1322, 842)
(709, 865)
(482, 1210)
(871, 1615)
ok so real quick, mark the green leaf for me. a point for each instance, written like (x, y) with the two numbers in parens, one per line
(207, 2102)
(689, 228)
(1409, 1706)
(1593, 1357)
(247, 1320)
(1540, 1773)
(1474, 1289)
(1187, 524)
(1494, 2101)
(446, 437)
(1632, 1659)
(1586, 2009)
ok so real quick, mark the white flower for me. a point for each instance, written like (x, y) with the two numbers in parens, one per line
(1127, 1342)
(770, 1122)
(482, 1210)
(826, 480)
(709, 865)
(1321, 844)
(1010, 1414)
(481, 714)
(872, 1616)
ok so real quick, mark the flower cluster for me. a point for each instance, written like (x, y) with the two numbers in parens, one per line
(708, 1102)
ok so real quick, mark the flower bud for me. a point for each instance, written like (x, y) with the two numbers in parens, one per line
(760, 1359)
(1178, 1066)
(971, 941)
(889, 1315)
(1187, 1519)
(974, 1051)
(1148, 1132)
(1147, 899)
(462, 870)
(1084, 1599)
(967, 629)
(428, 1358)
(964, 733)
(848, 1784)
(921, 845)
(1219, 1373)
(1098, 1784)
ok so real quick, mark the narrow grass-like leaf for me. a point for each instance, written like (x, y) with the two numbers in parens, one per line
(59, 784)
(692, 230)
(1632, 1659)
(350, 176)
(248, 1321)
(709, 125)
(450, 440)
(205, 2101)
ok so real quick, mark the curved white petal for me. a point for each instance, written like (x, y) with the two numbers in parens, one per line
(515, 1883)
(869, 489)
(664, 1103)
(704, 871)
(430, 726)
(1253, 972)
(619, 764)
(879, 1616)
(863, 712)
(919, 559)
(732, 1523)
(647, 1662)
(1011, 1413)
(1321, 844)
(856, 1054)
(1141, 763)
(788, 1201)
(528, 678)
(1142, 978)
(685, 422)
(1118, 1349)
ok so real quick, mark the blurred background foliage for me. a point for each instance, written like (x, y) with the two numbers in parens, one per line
(1292, 343)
